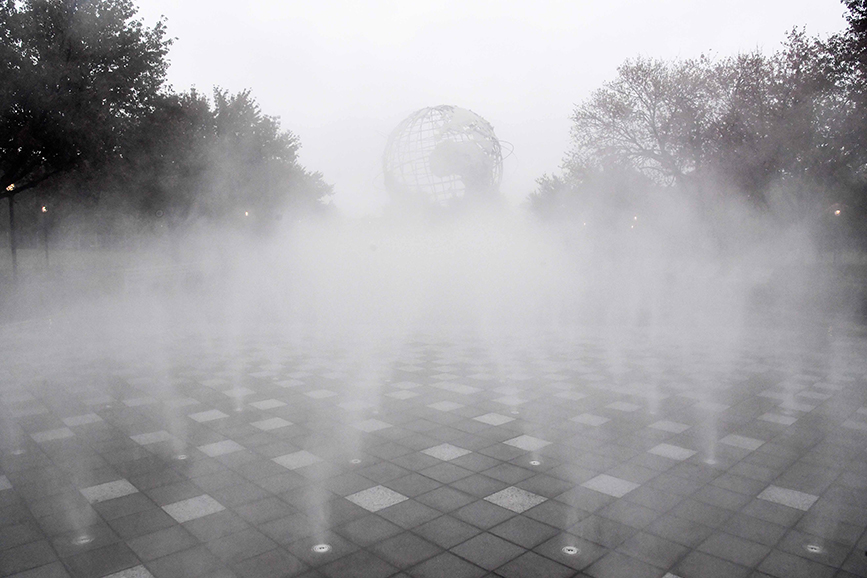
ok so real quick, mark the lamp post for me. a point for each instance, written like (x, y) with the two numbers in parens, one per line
(11, 191)
(45, 232)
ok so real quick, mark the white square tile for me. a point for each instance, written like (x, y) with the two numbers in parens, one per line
(406, 385)
(711, 406)
(268, 404)
(515, 499)
(510, 400)
(5, 484)
(205, 416)
(446, 452)
(239, 392)
(814, 395)
(134, 572)
(220, 448)
(81, 419)
(623, 406)
(213, 383)
(320, 394)
(610, 485)
(98, 400)
(297, 460)
(271, 423)
(376, 498)
(445, 405)
(672, 452)
(590, 419)
(786, 497)
(670, 426)
(777, 418)
(52, 434)
(527, 443)
(797, 406)
(371, 425)
(742, 442)
(457, 388)
(108, 491)
(402, 394)
(152, 437)
(181, 402)
(355, 405)
(855, 425)
(494, 419)
(139, 401)
(570, 395)
(193, 508)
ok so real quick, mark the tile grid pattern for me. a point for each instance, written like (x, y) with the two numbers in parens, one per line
(236, 464)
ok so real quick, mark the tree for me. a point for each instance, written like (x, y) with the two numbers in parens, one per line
(75, 75)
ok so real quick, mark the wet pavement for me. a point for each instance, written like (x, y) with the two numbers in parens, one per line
(574, 453)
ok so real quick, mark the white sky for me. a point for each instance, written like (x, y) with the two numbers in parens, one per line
(342, 73)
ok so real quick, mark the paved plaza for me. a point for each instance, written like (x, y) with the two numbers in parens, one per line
(435, 454)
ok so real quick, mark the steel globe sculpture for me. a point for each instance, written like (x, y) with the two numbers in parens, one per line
(442, 154)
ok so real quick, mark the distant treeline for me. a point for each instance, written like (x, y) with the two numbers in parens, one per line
(785, 132)
(90, 131)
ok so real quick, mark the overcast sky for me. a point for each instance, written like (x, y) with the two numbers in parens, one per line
(341, 74)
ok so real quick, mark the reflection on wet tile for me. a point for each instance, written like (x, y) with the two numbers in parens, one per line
(610, 485)
(193, 508)
(52, 434)
(108, 491)
(527, 443)
(494, 419)
(81, 419)
(371, 425)
(590, 419)
(220, 448)
(297, 460)
(515, 499)
(376, 498)
(742, 442)
(206, 416)
(670, 426)
(271, 423)
(152, 437)
(787, 497)
(672, 452)
(446, 452)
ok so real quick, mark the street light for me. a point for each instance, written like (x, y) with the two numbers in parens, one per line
(45, 232)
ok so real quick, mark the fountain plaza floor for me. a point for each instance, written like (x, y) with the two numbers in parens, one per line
(435, 455)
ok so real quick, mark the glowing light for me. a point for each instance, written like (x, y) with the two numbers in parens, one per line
(635, 218)
(11, 187)
(837, 212)
(44, 209)
(246, 213)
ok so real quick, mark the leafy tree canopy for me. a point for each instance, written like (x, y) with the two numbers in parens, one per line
(74, 76)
